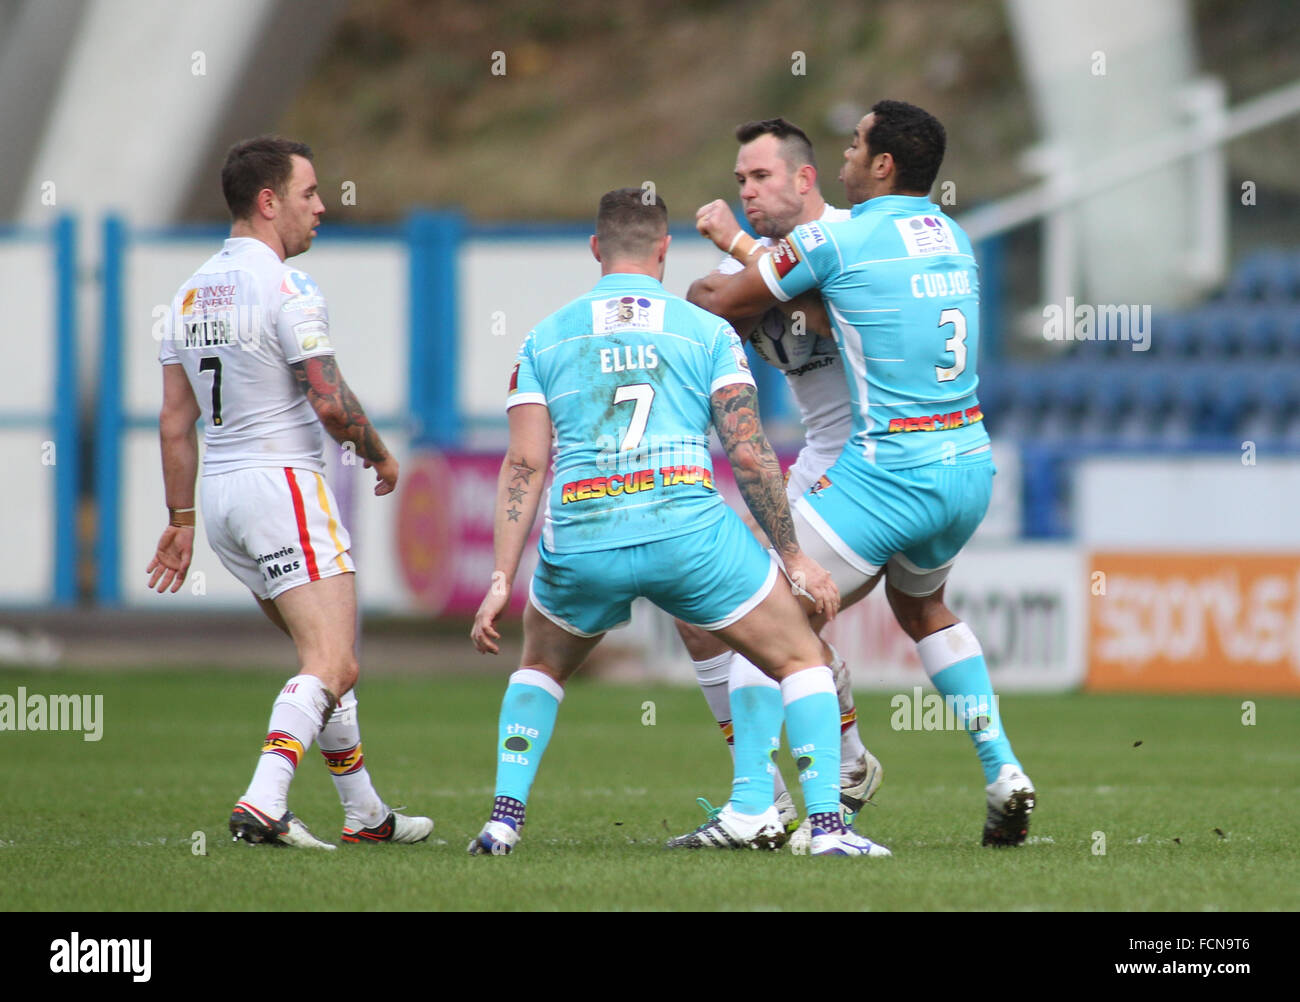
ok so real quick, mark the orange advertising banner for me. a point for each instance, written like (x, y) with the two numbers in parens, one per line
(1206, 622)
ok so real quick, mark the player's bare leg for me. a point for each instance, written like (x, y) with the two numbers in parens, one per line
(529, 709)
(551, 649)
(321, 617)
(953, 659)
(273, 614)
(786, 677)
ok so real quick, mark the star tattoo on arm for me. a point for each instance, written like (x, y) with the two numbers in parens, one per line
(521, 473)
(516, 494)
(513, 514)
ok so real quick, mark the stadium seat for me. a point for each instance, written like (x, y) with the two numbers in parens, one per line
(1111, 400)
(1279, 278)
(1210, 332)
(1247, 281)
(1171, 336)
(1286, 326)
(1157, 408)
(1107, 334)
(1194, 397)
(1236, 323)
(1268, 405)
(1258, 332)
(993, 396)
(1233, 398)
(1277, 394)
(1064, 400)
(1020, 406)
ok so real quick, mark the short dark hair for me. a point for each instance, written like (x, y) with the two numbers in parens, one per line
(795, 145)
(629, 221)
(914, 138)
(254, 164)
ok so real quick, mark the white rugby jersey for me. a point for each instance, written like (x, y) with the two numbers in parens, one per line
(819, 388)
(237, 324)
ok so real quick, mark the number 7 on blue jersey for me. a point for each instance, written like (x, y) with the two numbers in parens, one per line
(643, 394)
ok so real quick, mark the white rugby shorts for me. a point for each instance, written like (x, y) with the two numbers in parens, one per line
(275, 528)
(805, 471)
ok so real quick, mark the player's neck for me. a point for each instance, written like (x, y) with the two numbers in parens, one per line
(653, 270)
(814, 207)
(266, 234)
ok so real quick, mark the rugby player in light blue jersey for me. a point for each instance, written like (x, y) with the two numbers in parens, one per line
(776, 172)
(901, 287)
(629, 379)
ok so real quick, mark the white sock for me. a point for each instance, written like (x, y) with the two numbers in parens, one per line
(713, 674)
(340, 744)
(296, 717)
(851, 747)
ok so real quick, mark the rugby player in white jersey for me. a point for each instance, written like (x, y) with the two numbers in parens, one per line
(777, 175)
(249, 352)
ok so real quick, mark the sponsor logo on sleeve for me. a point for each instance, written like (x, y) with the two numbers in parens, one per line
(810, 235)
(742, 363)
(298, 283)
(514, 378)
(923, 235)
(302, 294)
(784, 258)
(312, 334)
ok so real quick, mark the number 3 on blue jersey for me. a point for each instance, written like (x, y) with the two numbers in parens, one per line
(955, 344)
(643, 394)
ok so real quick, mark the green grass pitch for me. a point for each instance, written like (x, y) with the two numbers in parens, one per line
(110, 825)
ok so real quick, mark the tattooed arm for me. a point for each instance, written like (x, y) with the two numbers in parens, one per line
(519, 494)
(343, 417)
(520, 485)
(758, 475)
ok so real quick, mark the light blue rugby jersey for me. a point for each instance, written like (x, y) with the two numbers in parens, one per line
(902, 291)
(627, 372)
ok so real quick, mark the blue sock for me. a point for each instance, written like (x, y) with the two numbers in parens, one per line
(524, 728)
(954, 661)
(812, 723)
(756, 714)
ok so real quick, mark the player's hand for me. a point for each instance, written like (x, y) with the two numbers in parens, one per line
(171, 562)
(386, 475)
(484, 634)
(717, 222)
(813, 585)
